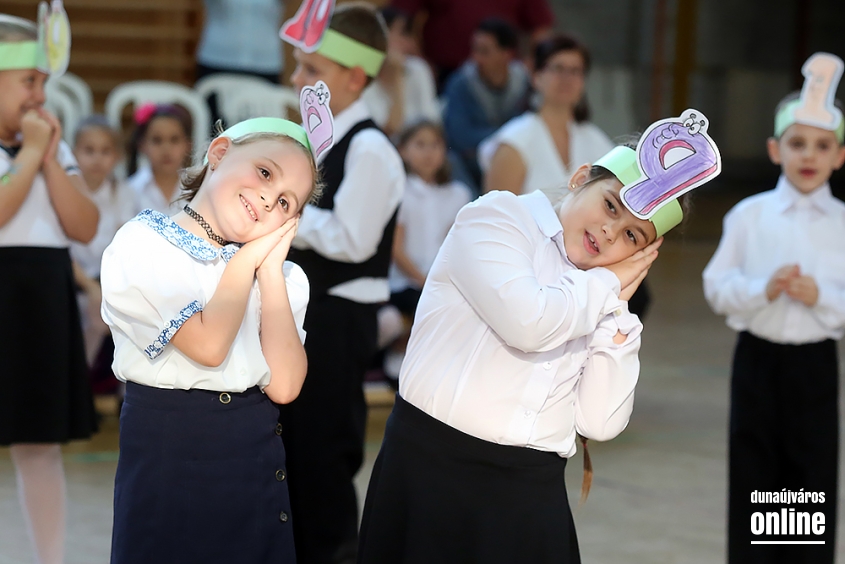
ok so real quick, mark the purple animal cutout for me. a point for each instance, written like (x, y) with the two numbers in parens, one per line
(317, 117)
(674, 155)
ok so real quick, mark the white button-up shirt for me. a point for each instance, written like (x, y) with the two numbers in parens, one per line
(371, 189)
(514, 345)
(116, 205)
(155, 276)
(760, 235)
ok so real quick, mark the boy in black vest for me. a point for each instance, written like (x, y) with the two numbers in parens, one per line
(343, 244)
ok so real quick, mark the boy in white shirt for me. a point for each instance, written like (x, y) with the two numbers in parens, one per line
(777, 275)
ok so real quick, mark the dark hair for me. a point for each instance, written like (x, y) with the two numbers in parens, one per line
(505, 34)
(360, 21)
(171, 111)
(390, 14)
(550, 47)
(795, 95)
(444, 173)
(101, 122)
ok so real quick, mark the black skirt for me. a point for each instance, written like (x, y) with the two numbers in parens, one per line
(439, 495)
(201, 478)
(42, 368)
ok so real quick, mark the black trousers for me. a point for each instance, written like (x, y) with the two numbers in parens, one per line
(438, 495)
(323, 429)
(784, 434)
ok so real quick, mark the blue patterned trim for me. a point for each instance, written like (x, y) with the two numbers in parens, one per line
(184, 239)
(157, 346)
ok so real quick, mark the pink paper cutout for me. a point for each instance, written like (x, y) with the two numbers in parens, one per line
(822, 72)
(674, 155)
(306, 28)
(317, 117)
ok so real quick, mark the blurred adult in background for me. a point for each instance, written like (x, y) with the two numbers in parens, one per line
(540, 150)
(241, 37)
(487, 91)
(404, 92)
(450, 24)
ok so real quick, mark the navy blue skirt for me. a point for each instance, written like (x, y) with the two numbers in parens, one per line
(201, 478)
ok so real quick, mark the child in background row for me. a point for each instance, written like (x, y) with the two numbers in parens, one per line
(778, 276)
(97, 150)
(43, 206)
(432, 200)
(162, 135)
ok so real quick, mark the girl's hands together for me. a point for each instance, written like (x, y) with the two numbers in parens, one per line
(632, 271)
(37, 132)
(56, 128)
(276, 257)
(271, 245)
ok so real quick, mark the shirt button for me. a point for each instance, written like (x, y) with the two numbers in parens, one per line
(225, 398)
(528, 413)
(283, 517)
(280, 475)
(243, 371)
(617, 312)
(547, 365)
(279, 429)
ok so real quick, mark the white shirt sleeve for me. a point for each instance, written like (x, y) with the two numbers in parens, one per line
(728, 289)
(830, 307)
(65, 157)
(150, 288)
(605, 395)
(298, 289)
(490, 261)
(363, 205)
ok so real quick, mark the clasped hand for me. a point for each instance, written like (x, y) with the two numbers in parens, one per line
(270, 251)
(789, 280)
(632, 271)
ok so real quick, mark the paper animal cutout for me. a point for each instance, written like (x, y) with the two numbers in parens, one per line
(822, 72)
(317, 117)
(54, 36)
(674, 155)
(306, 28)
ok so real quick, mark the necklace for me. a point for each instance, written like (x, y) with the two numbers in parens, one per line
(204, 224)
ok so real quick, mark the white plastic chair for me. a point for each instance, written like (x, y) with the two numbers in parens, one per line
(78, 90)
(240, 97)
(65, 108)
(159, 92)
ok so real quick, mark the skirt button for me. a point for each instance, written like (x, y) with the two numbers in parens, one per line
(225, 398)
(279, 429)
(280, 475)
(283, 517)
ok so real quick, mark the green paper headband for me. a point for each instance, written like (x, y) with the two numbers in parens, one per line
(50, 53)
(266, 125)
(350, 53)
(622, 162)
(22, 55)
(786, 117)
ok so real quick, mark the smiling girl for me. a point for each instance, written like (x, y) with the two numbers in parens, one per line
(207, 321)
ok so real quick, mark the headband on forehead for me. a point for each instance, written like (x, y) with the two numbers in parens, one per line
(816, 106)
(674, 156)
(50, 53)
(317, 132)
(309, 31)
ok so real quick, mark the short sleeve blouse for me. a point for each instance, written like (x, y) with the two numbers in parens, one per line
(155, 276)
(531, 138)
